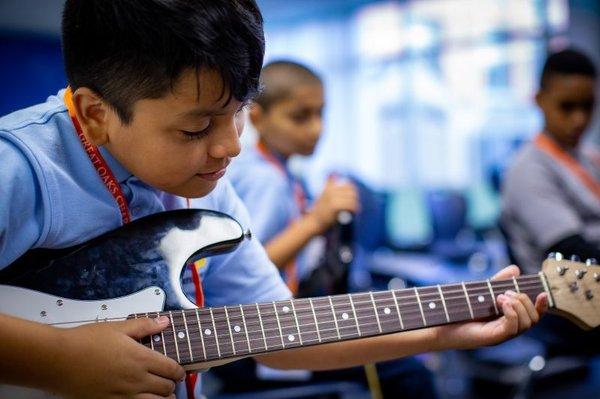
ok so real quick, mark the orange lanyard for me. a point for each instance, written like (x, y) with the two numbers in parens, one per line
(299, 194)
(551, 148)
(106, 175)
(290, 270)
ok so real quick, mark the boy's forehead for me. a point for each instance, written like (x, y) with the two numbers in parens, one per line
(561, 81)
(200, 90)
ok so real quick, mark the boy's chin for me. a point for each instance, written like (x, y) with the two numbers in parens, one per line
(193, 190)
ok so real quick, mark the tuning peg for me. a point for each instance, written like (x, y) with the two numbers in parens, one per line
(591, 261)
(561, 270)
(597, 277)
(575, 258)
(580, 273)
(555, 256)
(589, 295)
(573, 286)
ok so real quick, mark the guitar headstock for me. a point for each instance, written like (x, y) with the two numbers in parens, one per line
(575, 290)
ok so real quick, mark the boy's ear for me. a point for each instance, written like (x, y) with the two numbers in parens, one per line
(539, 98)
(257, 115)
(93, 115)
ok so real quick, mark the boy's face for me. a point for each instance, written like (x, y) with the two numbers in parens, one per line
(567, 102)
(182, 142)
(292, 125)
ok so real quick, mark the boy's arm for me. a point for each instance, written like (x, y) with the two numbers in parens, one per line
(519, 315)
(336, 197)
(92, 361)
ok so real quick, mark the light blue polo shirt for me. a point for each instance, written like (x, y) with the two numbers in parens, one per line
(52, 197)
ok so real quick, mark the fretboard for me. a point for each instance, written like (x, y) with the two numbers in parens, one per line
(201, 335)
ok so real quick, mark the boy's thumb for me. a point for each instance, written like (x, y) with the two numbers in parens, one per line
(140, 328)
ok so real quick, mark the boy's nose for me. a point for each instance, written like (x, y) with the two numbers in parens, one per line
(227, 143)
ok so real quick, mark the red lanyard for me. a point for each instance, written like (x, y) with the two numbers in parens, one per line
(551, 148)
(113, 186)
(98, 161)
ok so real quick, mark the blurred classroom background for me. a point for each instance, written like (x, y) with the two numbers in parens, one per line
(427, 101)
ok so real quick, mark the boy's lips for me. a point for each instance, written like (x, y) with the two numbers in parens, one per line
(212, 176)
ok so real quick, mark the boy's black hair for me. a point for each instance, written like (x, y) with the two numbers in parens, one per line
(278, 78)
(127, 50)
(567, 62)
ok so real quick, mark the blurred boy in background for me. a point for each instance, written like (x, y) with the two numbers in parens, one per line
(551, 193)
(287, 116)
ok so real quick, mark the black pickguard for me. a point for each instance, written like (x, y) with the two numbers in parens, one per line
(122, 261)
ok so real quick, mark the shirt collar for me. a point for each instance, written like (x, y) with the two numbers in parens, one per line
(115, 166)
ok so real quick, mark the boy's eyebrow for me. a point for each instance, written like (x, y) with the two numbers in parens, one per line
(196, 112)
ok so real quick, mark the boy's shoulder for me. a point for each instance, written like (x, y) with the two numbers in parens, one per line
(252, 167)
(39, 114)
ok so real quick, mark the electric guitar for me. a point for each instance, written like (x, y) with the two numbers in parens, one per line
(135, 271)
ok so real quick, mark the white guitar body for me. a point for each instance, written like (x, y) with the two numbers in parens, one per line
(63, 312)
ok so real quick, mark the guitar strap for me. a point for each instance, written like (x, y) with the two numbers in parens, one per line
(551, 148)
(113, 186)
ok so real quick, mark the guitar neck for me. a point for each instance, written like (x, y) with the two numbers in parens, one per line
(211, 334)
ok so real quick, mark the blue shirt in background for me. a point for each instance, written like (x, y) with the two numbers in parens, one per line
(268, 193)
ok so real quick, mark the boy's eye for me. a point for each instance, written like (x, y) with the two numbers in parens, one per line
(195, 135)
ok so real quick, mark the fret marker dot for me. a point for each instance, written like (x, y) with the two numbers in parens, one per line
(387, 311)
(286, 309)
(431, 305)
(237, 329)
(291, 337)
(345, 316)
(480, 298)
(156, 338)
(207, 332)
(181, 335)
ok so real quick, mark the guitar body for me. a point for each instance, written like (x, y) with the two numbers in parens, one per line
(134, 269)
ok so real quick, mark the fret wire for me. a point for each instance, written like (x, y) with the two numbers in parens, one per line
(216, 334)
(355, 317)
(229, 328)
(443, 303)
(162, 338)
(278, 324)
(315, 317)
(187, 335)
(245, 328)
(174, 337)
(375, 309)
(152, 336)
(516, 285)
(262, 327)
(468, 300)
(492, 296)
(398, 309)
(200, 333)
(334, 318)
(297, 324)
(420, 306)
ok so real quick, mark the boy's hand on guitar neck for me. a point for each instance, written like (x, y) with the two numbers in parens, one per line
(103, 360)
(519, 314)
